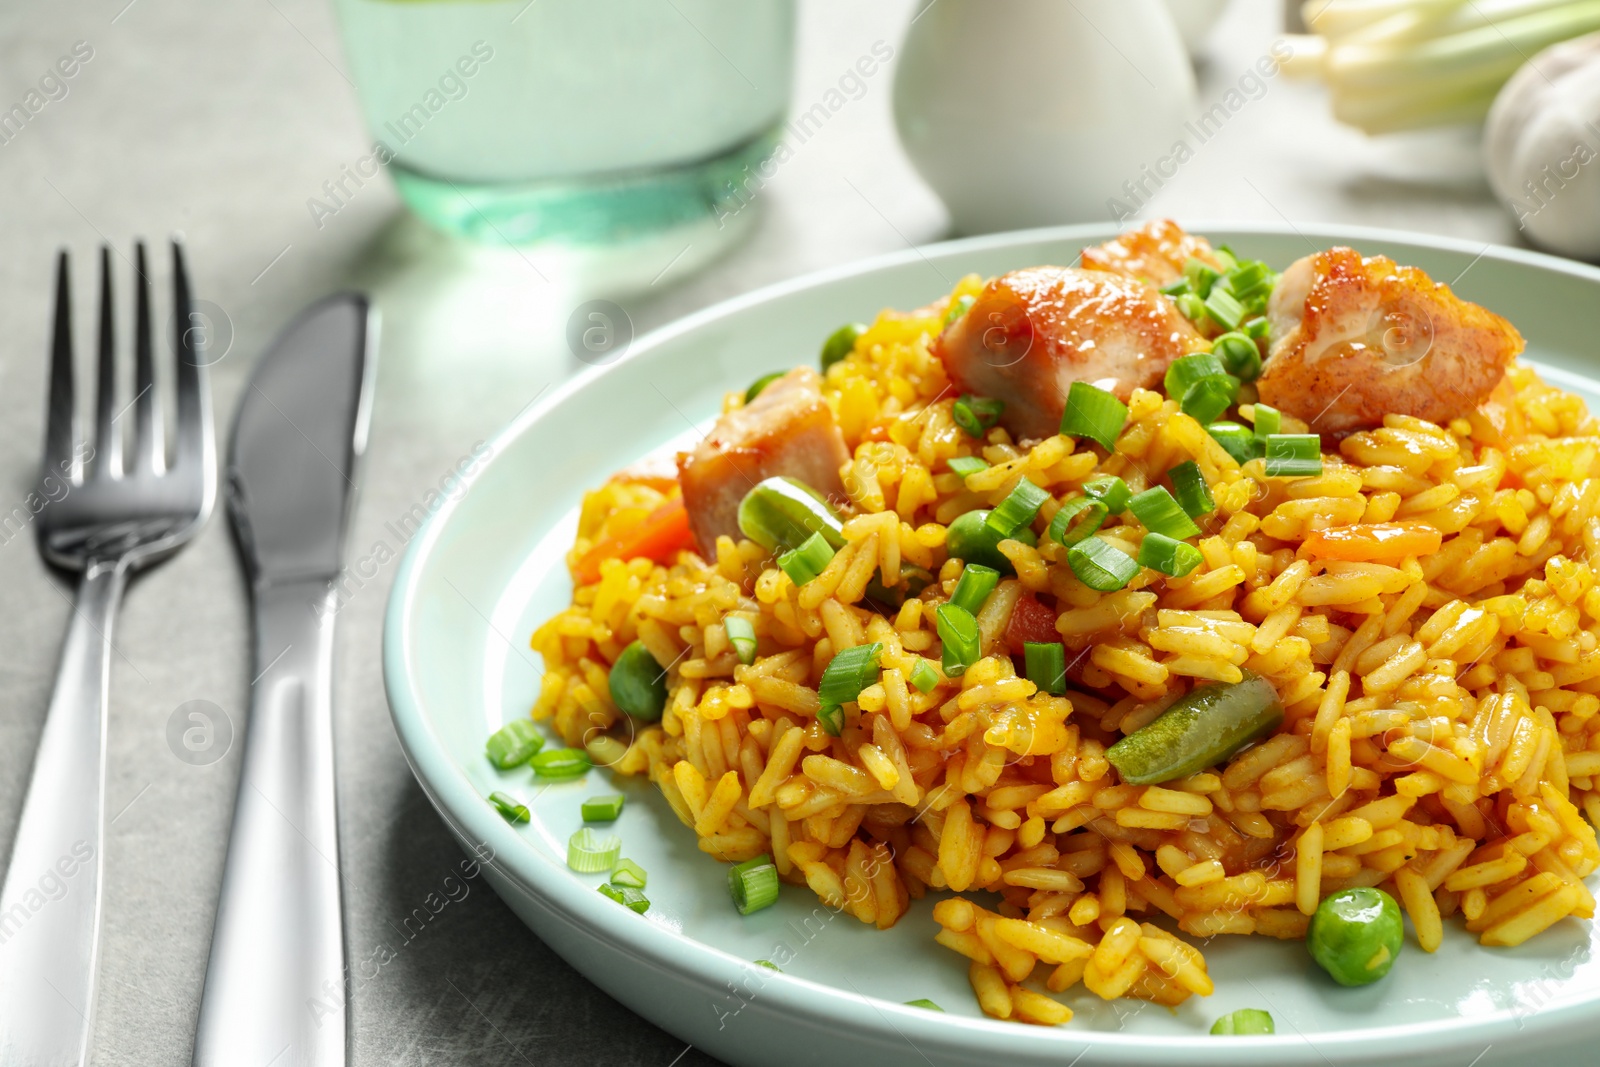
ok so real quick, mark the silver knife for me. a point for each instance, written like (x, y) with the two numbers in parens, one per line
(275, 986)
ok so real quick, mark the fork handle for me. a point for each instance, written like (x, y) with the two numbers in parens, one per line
(50, 906)
(275, 986)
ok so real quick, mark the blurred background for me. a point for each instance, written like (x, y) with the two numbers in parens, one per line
(525, 186)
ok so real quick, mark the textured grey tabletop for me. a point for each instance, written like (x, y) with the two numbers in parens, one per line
(219, 122)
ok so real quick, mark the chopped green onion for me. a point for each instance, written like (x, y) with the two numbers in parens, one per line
(923, 1002)
(1017, 509)
(1293, 455)
(513, 744)
(1191, 306)
(1046, 665)
(1209, 398)
(831, 716)
(958, 308)
(1093, 413)
(1257, 328)
(809, 560)
(1111, 491)
(509, 806)
(1238, 441)
(1225, 255)
(1190, 488)
(1239, 355)
(958, 630)
(1177, 288)
(1077, 519)
(973, 587)
(1223, 308)
(977, 414)
(742, 636)
(1185, 371)
(629, 874)
(1251, 280)
(967, 466)
(588, 853)
(1100, 565)
(760, 384)
(769, 965)
(841, 343)
(628, 896)
(1159, 513)
(848, 673)
(1201, 276)
(1245, 1021)
(1268, 421)
(753, 884)
(561, 763)
(923, 676)
(1168, 555)
(603, 808)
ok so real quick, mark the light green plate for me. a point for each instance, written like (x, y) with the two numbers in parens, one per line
(488, 568)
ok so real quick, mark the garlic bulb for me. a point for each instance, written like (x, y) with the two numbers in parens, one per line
(1542, 147)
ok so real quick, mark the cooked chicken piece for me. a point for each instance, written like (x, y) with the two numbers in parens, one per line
(1354, 339)
(787, 430)
(1032, 333)
(1154, 253)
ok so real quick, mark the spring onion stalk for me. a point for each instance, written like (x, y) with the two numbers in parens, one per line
(807, 561)
(1159, 513)
(958, 632)
(959, 308)
(1093, 413)
(1168, 555)
(603, 808)
(589, 853)
(831, 716)
(977, 414)
(967, 466)
(742, 636)
(924, 677)
(628, 896)
(561, 763)
(513, 744)
(923, 1002)
(769, 965)
(1238, 354)
(1101, 565)
(629, 874)
(1189, 488)
(1185, 371)
(1200, 276)
(1111, 491)
(848, 673)
(1207, 400)
(1192, 307)
(753, 884)
(509, 806)
(973, 587)
(1223, 308)
(1245, 1021)
(1293, 455)
(1257, 328)
(1238, 441)
(1077, 519)
(1017, 509)
(1268, 421)
(1045, 665)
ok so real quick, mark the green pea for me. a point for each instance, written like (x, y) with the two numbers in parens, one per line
(1355, 935)
(970, 538)
(760, 384)
(1244, 1021)
(638, 684)
(841, 342)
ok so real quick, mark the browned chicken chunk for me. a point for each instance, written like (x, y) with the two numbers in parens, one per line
(1354, 339)
(1154, 253)
(787, 430)
(1032, 333)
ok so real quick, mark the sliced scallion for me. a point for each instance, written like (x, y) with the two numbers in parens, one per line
(1168, 555)
(589, 853)
(1238, 441)
(831, 716)
(1190, 306)
(807, 561)
(1093, 413)
(1177, 288)
(1185, 371)
(1257, 328)
(630, 874)
(1159, 513)
(848, 673)
(513, 744)
(1200, 275)
(1268, 422)
(742, 636)
(1209, 398)
(561, 763)
(1293, 455)
(977, 414)
(1046, 665)
(1110, 490)
(967, 466)
(509, 806)
(1190, 489)
(1238, 354)
(628, 896)
(603, 808)
(924, 677)
(769, 965)
(1077, 519)
(973, 587)
(1100, 565)
(753, 884)
(1223, 308)
(923, 1002)
(958, 631)
(958, 308)
(1017, 509)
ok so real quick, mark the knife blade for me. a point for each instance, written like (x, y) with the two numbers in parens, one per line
(275, 984)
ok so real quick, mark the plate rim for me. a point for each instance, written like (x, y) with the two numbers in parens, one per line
(817, 1003)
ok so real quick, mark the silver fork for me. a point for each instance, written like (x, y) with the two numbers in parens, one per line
(107, 519)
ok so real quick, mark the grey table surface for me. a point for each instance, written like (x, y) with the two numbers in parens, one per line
(219, 122)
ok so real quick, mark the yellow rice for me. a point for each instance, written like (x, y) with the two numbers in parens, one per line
(1441, 737)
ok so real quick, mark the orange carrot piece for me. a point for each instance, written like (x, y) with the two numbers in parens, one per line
(662, 534)
(1372, 542)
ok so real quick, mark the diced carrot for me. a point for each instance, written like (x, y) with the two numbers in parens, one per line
(1030, 621)
(1372, 541)
(662, 534)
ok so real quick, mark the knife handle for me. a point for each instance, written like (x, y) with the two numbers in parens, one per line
(50, 906)
(275, 987)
